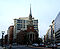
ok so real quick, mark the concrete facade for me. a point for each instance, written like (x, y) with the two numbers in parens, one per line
(57, 28)
(50, 35)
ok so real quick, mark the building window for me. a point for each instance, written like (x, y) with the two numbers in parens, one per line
(35, 21)
(19, 21)
(24, 21)
(24, 26)
(19, 26)
(35, 25)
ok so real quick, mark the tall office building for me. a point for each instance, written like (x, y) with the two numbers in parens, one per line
(57, 28)
(23, 22)
(50, 35)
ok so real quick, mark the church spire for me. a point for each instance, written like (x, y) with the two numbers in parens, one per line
(30, 10)
(30, 15)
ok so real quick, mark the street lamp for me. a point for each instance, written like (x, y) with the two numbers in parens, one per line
(2, 37)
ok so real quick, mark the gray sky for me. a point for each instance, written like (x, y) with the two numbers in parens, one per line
(43, 10)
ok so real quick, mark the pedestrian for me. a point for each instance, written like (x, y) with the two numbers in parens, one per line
(10, 46)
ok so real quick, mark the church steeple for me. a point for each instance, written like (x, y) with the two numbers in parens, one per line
(30, 15)
(30, 10)
(30, 18)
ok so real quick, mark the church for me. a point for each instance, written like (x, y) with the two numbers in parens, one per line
(26, 30)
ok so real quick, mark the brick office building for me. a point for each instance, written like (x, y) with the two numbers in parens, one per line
(10, 34)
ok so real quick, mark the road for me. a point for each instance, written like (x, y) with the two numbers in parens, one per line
(25, 47)
(21, 47)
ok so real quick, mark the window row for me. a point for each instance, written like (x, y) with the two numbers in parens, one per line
(20, 21)
(19, 26)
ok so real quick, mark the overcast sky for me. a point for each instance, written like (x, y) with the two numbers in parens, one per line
(43, 10)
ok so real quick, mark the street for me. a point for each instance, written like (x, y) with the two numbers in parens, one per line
(21, 47)
(25, 47)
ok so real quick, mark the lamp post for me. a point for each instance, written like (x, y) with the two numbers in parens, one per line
(2, 37)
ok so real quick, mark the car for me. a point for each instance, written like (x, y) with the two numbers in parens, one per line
(35, 44)
(46, 46)
(58, 44)
(14, 44)
(42, 45)
(52, 46)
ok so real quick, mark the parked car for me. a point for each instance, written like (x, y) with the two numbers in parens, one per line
(42, 45)
(52, 46)
(14, 44)
(46, 46)
(58, 44)
(35, 44)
